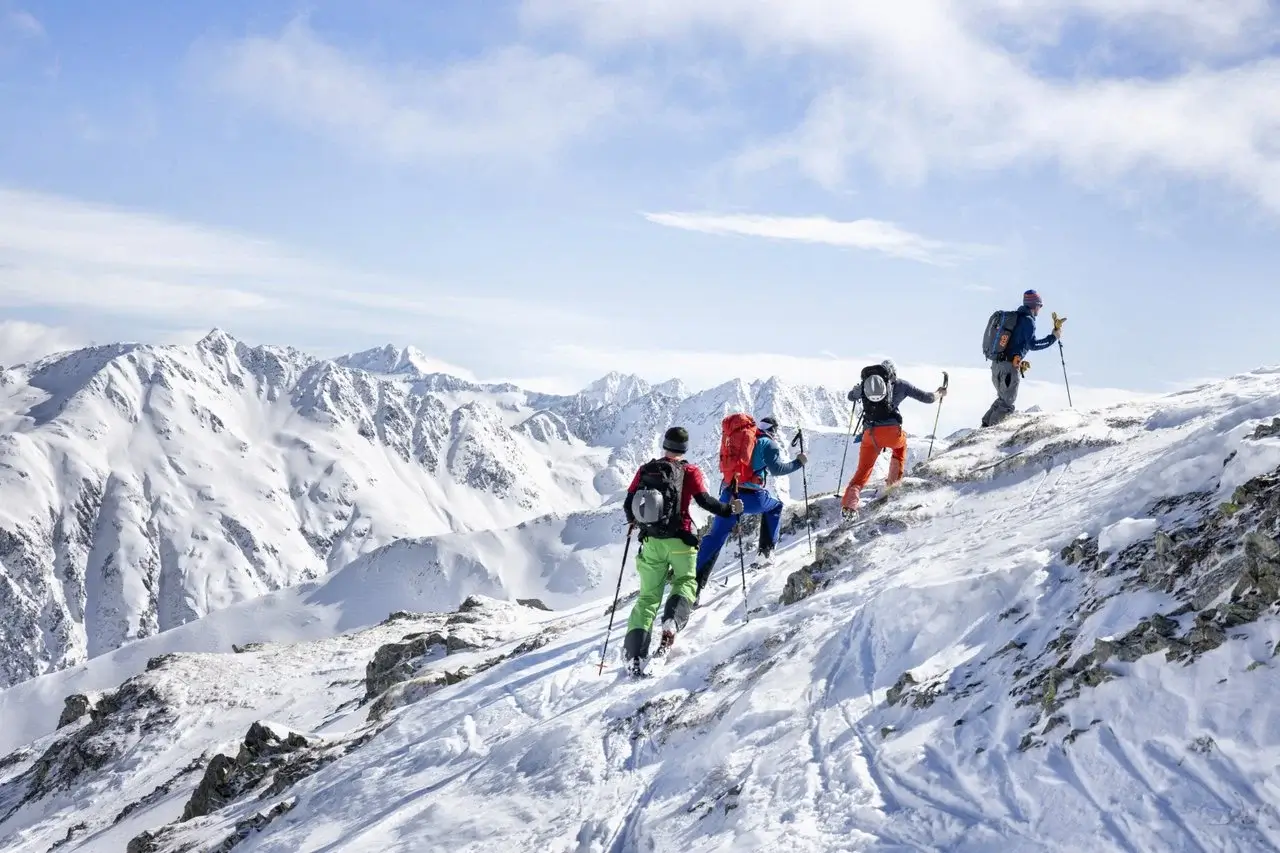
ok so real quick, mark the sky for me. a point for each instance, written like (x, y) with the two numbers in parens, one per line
(545, 190)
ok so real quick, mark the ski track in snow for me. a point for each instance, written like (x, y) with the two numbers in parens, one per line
(774, 732)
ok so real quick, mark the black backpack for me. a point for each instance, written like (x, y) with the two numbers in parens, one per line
(997, 334)
(656, 504)
(878, 408)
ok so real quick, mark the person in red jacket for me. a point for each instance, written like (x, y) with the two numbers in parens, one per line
(657, 503)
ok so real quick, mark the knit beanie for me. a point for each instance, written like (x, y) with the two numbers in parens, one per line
(676, 440)
(1031, 299)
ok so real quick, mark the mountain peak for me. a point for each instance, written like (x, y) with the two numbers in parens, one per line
(217, 342)
(615, 389)
(390, 360)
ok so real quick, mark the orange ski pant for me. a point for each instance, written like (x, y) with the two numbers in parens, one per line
(878, 438)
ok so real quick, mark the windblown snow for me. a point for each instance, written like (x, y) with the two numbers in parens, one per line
(1058, 635)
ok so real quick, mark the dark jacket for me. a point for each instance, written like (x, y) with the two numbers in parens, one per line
(902, 389)
(1023, 340)
(694, 488)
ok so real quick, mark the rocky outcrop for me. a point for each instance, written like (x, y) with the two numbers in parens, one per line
(76, 707)
(116, 721)
(800, 585)
(264, 750)
(270, 761)
(396, 662)
(1221, 568)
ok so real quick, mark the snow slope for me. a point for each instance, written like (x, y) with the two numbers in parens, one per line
(968, 667)
(143, 487)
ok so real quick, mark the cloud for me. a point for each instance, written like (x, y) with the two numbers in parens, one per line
(1181, 90)
(73, 257)
(512, 103)
(24, 24)
(22, 342)
(867, 234)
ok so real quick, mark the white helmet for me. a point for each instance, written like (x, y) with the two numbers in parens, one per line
(875, 389)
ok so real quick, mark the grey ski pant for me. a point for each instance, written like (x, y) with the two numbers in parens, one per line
(1006, 379)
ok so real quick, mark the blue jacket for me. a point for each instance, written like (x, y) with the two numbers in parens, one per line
(902, 389)
(766, 460)
(1024, 339)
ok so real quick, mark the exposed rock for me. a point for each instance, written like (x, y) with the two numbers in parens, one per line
(115, 721)
(394, 662)
(401, 616)
(250, 825)
(1083, 552)
(535, 603)
(833, 551)
(904, 683)
(461, 641)
(226, 778)
(75, 707)
(538, 640)
(800, 585)
(472, 603)
(159, 661)
(413, 690)
(1267, 430)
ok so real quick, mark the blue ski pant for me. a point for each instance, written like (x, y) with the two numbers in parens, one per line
(754, 502)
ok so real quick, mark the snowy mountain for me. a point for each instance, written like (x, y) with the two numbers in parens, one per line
(1058, 635)
(142, 487)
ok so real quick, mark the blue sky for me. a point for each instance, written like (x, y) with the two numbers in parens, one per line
(547, 189)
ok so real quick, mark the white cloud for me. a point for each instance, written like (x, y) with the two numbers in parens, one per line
(24, 23)
(867, 234)
(65, 255)
(22, 342)
(38, 225)
(513, 102)
(961, 87)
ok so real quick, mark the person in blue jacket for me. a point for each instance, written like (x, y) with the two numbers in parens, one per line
(766, 459)
(1009, 366)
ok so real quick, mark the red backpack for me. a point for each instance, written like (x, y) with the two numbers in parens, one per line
(738, 435)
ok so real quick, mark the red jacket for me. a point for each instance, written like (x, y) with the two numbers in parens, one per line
(693, 488)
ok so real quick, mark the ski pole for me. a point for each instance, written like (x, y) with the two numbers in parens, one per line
(845, 455)
(1057, 324)
(804, 478)
(742, 553)
(946, 380)
(616, 594)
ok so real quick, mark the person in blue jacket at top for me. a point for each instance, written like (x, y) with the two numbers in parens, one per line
(1009, 366)
(766, 459)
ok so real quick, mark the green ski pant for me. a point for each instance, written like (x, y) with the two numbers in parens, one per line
(652, 561)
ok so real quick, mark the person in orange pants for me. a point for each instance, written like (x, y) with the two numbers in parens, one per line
(881, 392)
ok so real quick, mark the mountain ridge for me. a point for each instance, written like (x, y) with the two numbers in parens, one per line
(1059, 634)
(144, 486)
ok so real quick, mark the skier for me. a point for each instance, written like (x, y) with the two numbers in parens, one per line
(657, 503)
(1008, 362)
(748, 454)
(881, 393)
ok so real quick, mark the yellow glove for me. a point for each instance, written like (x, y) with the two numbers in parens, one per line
(1024, 366)
(1057, 324)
